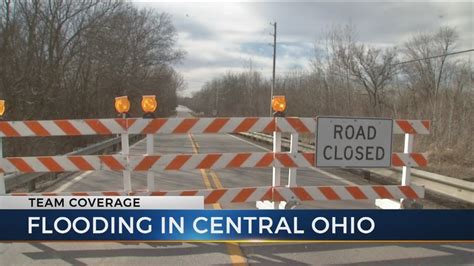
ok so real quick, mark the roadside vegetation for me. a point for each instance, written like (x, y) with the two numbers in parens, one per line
(350, 78)
(70, 59)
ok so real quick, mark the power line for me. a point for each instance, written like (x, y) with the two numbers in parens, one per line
(431, 57)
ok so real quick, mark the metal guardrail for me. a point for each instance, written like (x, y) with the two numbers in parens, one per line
(13, 181)
(450, 187)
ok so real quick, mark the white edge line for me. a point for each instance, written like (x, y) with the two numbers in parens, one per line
(72, 182)
(83, 175)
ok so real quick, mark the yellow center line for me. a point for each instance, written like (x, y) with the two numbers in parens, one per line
(235, 253)
(216, 179)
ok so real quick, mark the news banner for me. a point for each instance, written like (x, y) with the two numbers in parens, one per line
(173, 218)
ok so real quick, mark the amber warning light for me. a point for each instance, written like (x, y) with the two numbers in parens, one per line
(122, 104)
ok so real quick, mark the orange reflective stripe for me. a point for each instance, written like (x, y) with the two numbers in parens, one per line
(396, 161)
(122, 122)
(188, 193)
(405, 126)
(51, 164)
(80, 163)
(329, 193)
(310, 157)
(37, 128)
(214, 196)
(277, 196)
(157, 193)
(110, 193)
(246, 124)
(21, 165)
(146, 163)
(111, 162)
(208, 161)
(238, 160)
(271, 127)
(356, 193)
(301, 193)
(285, 160)
(185, 125)
(268, 195)
(97, 126)
(216, 125)
(243, 195)
(8, 130)
(419, 159)
(408, 191)
(298, 125)
(266, 160)
(178, 162)
(154, 126)
(67, 127)
(426, 124)
(79, 193)
(49, 194)
(382, 192)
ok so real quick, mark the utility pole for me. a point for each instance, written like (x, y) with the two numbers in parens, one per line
(274, 63)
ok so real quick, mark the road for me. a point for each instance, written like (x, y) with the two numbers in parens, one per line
(224, 253)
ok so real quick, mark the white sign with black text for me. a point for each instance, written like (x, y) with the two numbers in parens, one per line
(353, 142)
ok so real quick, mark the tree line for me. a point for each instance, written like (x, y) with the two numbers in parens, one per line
(350, 78)
(65, 59)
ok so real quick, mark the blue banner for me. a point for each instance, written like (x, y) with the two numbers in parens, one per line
(218, 225)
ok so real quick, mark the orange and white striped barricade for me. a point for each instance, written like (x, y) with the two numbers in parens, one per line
(288, 194)
(125, 141)
(177, 162)
(407, 159)
(409, 128)
(124, 127)
(275, 195)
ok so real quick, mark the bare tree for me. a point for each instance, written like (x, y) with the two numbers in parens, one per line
(372, 68)
(427, 77)
(351, 78)
(70, 58)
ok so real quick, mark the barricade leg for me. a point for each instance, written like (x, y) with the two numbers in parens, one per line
(406, 177)
(406, 181)
(293, 151)
(276, 177)
(149, 150)
(127, 179)
(276, 174)
(408, 148)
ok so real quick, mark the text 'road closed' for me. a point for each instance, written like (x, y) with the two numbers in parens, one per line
(353, 142)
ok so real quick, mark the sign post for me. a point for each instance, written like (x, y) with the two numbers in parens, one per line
(353, 142)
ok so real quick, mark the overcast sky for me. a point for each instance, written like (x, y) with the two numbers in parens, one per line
(221, 37)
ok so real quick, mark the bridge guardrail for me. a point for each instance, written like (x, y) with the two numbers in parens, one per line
(451, 187)
(29, 179)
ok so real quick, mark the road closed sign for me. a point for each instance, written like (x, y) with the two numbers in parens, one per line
(353, 142)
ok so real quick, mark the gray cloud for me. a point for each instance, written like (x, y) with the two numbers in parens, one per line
(223, 36)
(376, 22)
